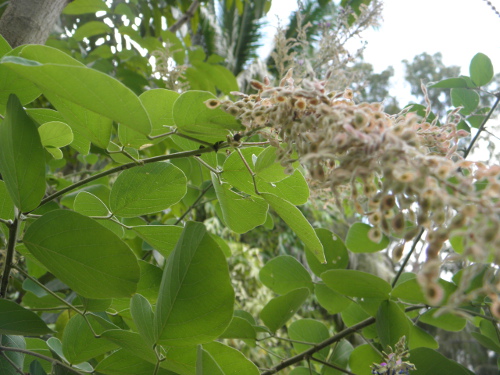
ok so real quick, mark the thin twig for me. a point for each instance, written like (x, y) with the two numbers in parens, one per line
(252, 173)
(407, 258)
(481, 128)
(331, 340)
(151, 137)
(185, 17)
(177, 155)
(203, 192)
(41, 356)
(24, 273)
(332, 366)
(12, 363)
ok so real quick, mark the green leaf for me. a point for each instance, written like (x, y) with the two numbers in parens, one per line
(79, 343)
(476, 121)
(85, 6)
(225, 359)
(89, 205)
(4, 46)
(6, 203)
(132, 343)
(159, 104)
(430, 362)
(90, 29)
(83, 254)
(340, 357)
(309, 330)
(481, 69)
(22, 160)
(284, 274)
(10, 359)
(280, 309)
(206, 364)
(419, 338)
(16, 320)
(292, 188)
(143, 316)
(55, 134)
(298, 223)
(195, 119)
(335, 253)
(12, 83)
(161, 237)
(36, 368)
(361, 359)
(239, 328)
(147, 189)
(446, 321)
(355, 283)
(240, 213)
(195, 302)
(487, 342)
(86, 125)
(331, 300)
(449, 83)
(392, 324)
(466, 98)
(88, 88)
(357, 240)
(122, 362)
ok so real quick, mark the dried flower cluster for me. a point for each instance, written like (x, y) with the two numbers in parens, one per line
(402, 172)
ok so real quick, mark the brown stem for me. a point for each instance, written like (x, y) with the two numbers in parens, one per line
(331, 340)
(185, 17)
(11, 246)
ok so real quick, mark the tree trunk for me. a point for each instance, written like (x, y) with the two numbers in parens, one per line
(30, 21)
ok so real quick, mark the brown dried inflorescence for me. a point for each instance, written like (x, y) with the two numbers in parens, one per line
(403, 172)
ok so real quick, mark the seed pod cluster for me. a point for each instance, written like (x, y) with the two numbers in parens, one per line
(401, 171)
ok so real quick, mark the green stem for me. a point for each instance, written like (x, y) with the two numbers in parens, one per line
(41, 356)
(11, 246)
(193, 139)
(204, 191)
(6, 222)
(407, 258)
(252, 173)
(338, 368)
(24, 273)
(151, 137)
(11, 362)
(481, 128)
(177, 155)
(331, 340)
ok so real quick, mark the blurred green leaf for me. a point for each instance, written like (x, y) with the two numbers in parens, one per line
(357, 239)
(297, 222)
(481, 69)
(16, 320)
(280, 309)
(284, 274)
(355, 283)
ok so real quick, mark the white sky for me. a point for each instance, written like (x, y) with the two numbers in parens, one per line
(456, 28)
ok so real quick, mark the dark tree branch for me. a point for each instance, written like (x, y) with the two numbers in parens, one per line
(331, 340)
(185, 17)
(11, 245)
